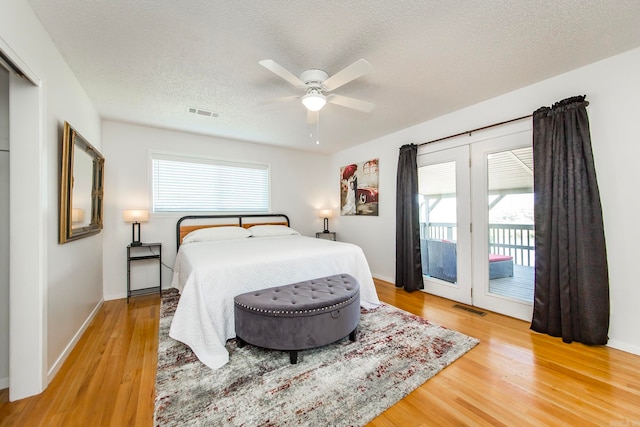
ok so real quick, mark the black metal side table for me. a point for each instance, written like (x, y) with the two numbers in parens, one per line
(330, 235)
(140, 252)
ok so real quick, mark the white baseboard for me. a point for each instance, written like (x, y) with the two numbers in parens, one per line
(58, 364)
(4, 383)
(623, 346)
(386, 279)
(122, 295)
(119, 295)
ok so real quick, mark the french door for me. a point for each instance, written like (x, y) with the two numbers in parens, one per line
(445, 241)
(503, 232)
(477, 231)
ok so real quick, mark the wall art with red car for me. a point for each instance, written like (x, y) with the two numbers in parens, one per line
(359, 188)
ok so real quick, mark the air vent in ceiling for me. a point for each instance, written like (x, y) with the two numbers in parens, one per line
(203, 112)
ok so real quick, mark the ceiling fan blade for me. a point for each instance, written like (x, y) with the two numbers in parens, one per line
(356, 104)
(312, 117)
(352, 72)
(282, 72)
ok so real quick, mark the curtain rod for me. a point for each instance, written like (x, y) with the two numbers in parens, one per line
(469, 132)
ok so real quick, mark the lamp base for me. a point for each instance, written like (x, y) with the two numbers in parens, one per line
(135, 239)
(326, 226)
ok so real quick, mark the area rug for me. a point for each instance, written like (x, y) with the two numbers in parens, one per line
(342, 384)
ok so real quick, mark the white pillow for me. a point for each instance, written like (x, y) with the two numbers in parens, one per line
(272, 230)
(216, 233)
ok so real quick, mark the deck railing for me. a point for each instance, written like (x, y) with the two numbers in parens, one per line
(440, 231)
(516, 240)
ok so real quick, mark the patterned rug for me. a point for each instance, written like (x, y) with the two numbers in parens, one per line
(341, 384)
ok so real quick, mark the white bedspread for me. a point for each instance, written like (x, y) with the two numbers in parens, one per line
(209, 274)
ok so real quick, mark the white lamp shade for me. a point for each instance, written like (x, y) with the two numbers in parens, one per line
(325, 213)
(77, 215)
(314, 101)
(135, 215)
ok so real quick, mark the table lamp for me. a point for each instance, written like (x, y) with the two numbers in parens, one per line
(135, 217)
(326, 214)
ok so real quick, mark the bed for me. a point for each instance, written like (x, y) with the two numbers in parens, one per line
(236, 254)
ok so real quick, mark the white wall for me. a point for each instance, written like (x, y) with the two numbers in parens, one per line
(4, 228)
(374, 234)
(612, 87)
(55, 288)
(298, 188)
(74, 274)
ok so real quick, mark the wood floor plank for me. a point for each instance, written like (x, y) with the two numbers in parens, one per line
(513, 377)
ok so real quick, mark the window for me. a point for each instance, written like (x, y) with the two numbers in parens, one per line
(185, 184)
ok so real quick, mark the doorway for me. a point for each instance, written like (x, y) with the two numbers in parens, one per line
(27, 261)
(476, 218)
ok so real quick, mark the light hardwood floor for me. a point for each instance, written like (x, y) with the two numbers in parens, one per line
(514, 377)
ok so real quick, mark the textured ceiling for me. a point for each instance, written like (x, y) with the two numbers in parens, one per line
(147, 61)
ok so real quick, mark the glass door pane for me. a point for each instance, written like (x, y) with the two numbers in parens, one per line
(511, 232)
(503, 238)
(445, 242)
(438, 221)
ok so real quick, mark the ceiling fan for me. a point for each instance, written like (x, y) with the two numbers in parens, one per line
(316, 83)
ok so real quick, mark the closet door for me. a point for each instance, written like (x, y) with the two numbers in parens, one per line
(4, 227)
(443, 184)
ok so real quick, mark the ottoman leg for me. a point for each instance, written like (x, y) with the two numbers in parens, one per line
(352, 335)
(293, 356)
(240, 342)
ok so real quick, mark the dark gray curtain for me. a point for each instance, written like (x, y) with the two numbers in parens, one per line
(572, 279)
(408, 260)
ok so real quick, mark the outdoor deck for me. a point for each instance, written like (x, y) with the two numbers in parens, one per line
(515, 240)
(520, 286)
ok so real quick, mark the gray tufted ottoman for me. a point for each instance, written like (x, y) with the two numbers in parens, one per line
(299, 316)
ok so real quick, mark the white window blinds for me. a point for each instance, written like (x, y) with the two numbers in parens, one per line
(184, 184)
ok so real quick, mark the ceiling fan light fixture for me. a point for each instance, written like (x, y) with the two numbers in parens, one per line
(314, 101)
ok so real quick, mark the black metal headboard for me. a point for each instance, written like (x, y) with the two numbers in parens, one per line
(238, 218)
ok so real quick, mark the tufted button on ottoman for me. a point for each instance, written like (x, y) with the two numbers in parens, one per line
(299, 316)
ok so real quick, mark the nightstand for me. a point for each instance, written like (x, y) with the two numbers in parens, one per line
(330, 235)
(141, 252)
